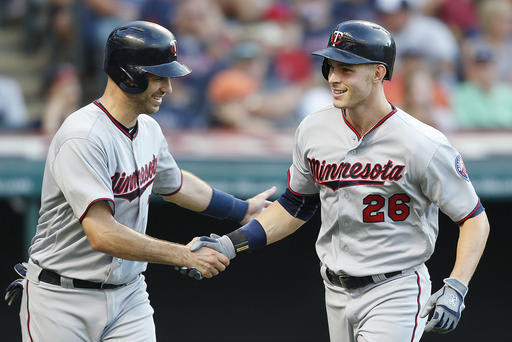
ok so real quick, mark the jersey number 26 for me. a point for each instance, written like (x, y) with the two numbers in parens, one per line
(398, 210)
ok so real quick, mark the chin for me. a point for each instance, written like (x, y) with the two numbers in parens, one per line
(152, 109)
(338, 103)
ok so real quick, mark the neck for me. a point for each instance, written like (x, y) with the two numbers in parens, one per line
(365, 116)
(119, 105)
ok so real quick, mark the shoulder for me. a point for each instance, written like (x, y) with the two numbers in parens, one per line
(88, 123)
(149, 126)
(320, 118)
(413, 130)
(147, 120)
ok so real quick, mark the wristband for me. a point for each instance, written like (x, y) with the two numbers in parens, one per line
(226, 206)
(249, 237)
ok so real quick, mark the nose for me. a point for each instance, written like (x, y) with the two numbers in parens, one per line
(333, 76)
(166, 86)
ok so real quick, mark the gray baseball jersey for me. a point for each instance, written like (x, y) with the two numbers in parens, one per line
(92, 158)
(379, 193)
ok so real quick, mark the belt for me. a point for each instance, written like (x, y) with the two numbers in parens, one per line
(54, 278)
(349, 282)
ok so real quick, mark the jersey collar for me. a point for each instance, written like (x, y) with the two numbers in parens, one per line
(131, 133)
(359, 137)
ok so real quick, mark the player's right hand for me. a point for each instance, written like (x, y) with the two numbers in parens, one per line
(208, 262)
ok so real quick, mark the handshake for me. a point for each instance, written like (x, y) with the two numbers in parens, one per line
(212, 255)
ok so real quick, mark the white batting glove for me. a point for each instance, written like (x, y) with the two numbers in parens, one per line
(221, 244)
(448, 303)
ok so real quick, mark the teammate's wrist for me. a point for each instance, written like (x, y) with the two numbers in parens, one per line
(226, 206)
(249, 237)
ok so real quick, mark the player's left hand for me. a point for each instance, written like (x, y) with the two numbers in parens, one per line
(257, 204)
(448, 303)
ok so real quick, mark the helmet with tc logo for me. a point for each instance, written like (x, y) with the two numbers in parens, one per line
(138, 48)
(359, 42)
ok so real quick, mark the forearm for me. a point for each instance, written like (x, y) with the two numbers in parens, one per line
(107, 235)
(126, 243)
(470, 246)
(195, 194)
(278, 223)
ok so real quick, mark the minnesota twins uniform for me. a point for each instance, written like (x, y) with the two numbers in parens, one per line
(94, 158)
(379, 196)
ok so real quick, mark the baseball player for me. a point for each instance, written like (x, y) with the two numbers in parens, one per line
(380, 177)
(84, 277)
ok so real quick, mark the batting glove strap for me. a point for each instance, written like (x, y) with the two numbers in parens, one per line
(457, 285)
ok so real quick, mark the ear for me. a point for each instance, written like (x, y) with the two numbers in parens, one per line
(380, 72)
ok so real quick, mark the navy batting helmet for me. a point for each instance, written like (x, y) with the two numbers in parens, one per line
(138, 48)
(359, 42)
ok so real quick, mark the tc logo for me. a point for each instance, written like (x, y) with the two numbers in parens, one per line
(174, 47)
(336, 37)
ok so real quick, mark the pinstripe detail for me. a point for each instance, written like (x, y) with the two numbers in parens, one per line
(28, 317)
(419, 306)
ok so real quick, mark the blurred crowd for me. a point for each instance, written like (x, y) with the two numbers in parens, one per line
(251, 61)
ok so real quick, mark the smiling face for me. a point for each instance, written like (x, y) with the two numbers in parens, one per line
(350, 84)
(149, 101)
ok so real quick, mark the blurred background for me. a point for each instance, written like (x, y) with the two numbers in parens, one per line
(232, 121)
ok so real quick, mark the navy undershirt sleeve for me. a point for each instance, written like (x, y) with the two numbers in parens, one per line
(300, 206)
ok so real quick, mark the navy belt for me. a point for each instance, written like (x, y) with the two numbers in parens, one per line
(54, 278)
(349, 282)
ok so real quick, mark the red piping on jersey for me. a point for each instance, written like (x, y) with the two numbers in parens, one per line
(470, 214)
(172, 193)
(295, 193)
(343, 114)
(90, 204)
(419, 306)
(28, 317)
(114, 121)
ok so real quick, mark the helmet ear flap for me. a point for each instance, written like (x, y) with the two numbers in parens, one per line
(132, 80)
(326, 68)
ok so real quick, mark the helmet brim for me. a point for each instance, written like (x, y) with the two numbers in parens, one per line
(173, 69)
(343, 56)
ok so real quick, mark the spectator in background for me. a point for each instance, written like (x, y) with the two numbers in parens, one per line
(413, 30)
(204, 38)
(461, 16)
(317, 19)
(353, 9)
(98, 18)
(414, 89)
(200, 27)
(188, 108)
(160, 12)
(494, 34)
(62, 93)
(62, 31)
(425, 100)
(244, 11)
(13, 110)
(481, 102)
(240, 99)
